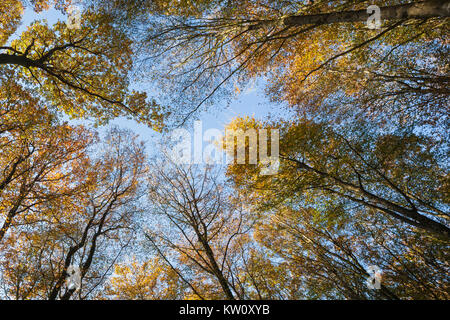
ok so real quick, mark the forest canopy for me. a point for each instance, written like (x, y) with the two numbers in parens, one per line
(90, 209)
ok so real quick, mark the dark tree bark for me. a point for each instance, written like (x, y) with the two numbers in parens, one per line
(415, 10)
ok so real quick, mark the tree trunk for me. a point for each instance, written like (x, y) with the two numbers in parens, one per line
(415, 10)
(218, 272)
(16, 60)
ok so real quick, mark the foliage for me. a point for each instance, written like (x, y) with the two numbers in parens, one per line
(363, 178)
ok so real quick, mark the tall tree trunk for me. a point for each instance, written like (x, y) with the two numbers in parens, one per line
(415, 10)
(217, 271)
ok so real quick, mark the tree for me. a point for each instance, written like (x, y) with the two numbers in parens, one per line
(263, 277)
(363, 177)
(331, 255)
(89, 229)
(42, 159)
(397, 175)
(199, 230)
(144, 281)
(309, 52)
(337, 206)
(85, 72)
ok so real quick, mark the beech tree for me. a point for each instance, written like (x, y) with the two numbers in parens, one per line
(42, 159)
(202, 227)
(144, 281)
(330, 255)
(308, 51)
(363, 178)
(345, 200)
(89, 229)
(84, 72)
(203, 234)
(398, 175)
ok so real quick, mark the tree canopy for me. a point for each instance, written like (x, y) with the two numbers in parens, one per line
(89, 211)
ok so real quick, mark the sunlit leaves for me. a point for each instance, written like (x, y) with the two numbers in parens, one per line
(143, 281)
(10, 14)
